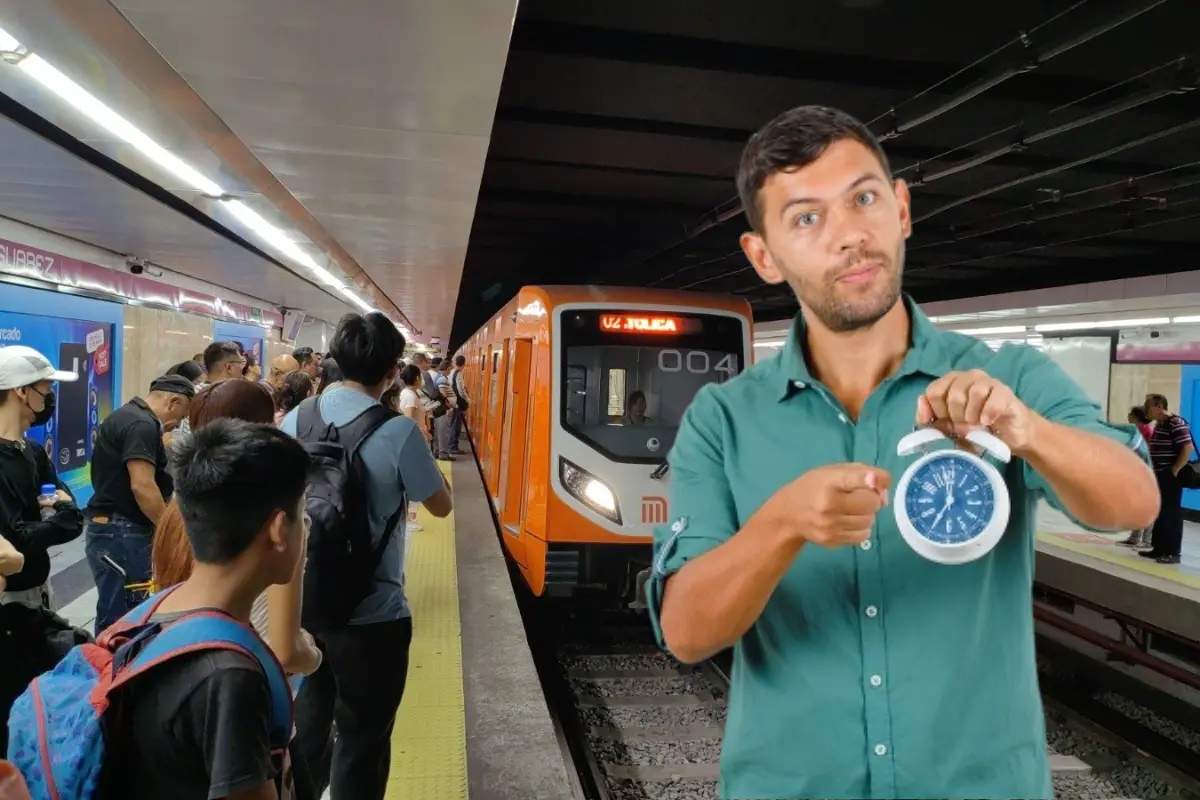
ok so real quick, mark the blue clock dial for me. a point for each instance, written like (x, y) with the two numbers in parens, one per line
(949, 499)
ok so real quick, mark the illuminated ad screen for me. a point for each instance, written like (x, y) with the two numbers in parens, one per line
(84, 348)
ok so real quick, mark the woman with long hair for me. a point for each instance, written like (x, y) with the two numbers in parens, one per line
(252, 371)
(296, 388)
(408, 403)
(171, 556)
(329, 375)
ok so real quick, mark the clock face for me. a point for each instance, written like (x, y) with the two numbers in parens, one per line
(949, 499)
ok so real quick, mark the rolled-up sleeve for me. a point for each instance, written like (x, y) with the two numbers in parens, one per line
(1047, 390)
(702, 511)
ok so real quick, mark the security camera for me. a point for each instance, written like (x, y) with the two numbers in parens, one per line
(1155, 334)
(136, 265)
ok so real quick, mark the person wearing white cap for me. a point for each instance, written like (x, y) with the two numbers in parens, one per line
(26, 400)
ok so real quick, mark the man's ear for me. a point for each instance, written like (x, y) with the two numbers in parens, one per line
(755, 248)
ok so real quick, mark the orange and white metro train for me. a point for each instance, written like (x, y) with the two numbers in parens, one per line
(576, 396)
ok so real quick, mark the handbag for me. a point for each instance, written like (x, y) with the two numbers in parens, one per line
(1189, 475)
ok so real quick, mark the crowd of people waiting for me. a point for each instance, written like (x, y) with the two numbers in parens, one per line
(206, 491)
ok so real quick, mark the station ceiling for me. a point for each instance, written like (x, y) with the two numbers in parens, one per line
(1049, 142)
(355, 132)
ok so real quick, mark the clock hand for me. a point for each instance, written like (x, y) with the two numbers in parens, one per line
(939, 516)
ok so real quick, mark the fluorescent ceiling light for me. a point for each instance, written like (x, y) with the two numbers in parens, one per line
(86, 103)
(281, 242)
(350, 294)
(1000, 329)
(1185, 320)
(9, 43)
(90, 106)
(775, 344)
(1109, 323)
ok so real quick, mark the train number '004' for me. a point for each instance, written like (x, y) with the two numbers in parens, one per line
(696, 362)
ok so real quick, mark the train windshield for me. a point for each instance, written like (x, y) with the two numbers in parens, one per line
(627, 377)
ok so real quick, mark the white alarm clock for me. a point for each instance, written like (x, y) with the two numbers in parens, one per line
(951, 505)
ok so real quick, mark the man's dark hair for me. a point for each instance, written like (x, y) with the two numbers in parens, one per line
(1158, 400)
(218, 353)
(188, 369)
(230, 477)
(792, 141)
(366, 347)
(303, 355)
(460, 361)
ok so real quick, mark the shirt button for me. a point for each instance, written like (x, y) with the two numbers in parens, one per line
(881, 750)
(876, 680)
(866, 544)
(798, 384)
(842, 417)
(872, 611)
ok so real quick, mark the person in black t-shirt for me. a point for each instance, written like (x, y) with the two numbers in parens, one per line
(129, 475)
(26, 400)
(197, 727)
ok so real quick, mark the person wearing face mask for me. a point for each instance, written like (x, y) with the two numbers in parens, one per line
(27, 400)
(129, 475)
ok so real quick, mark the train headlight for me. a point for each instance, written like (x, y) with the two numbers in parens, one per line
(589, 490)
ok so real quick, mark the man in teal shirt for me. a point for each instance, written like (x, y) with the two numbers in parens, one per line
(860, 668)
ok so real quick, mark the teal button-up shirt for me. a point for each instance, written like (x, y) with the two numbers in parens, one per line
(872, 672)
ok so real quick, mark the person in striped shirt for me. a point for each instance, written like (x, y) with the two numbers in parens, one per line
(1171, 448)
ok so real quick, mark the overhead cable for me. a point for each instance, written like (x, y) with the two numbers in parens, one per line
(1079, 162)
(732, 207)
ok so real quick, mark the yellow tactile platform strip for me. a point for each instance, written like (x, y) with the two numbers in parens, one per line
(429, 746)
(1121, 556)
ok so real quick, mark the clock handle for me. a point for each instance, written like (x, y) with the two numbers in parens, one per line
(990, 443)
(917, 440)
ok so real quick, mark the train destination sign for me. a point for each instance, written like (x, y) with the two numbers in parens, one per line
(642, 323)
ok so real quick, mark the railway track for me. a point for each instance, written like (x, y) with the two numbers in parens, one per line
(639, 725)
(1139, 741)
(652, 726)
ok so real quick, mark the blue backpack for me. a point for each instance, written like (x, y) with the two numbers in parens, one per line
(58, 726)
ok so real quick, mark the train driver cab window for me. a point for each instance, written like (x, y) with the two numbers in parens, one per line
(628, 377)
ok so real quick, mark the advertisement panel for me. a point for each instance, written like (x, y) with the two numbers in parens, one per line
(81, 346)
(250, 337)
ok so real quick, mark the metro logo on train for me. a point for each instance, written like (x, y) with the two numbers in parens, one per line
(654, 510)
(639, 324)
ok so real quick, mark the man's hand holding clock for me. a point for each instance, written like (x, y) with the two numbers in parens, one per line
(959, 402)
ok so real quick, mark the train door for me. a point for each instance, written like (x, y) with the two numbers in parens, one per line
(481, 409)
(495, 429)
(530, 402)
(514, 444)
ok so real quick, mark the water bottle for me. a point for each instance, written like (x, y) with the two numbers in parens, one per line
(49, 492)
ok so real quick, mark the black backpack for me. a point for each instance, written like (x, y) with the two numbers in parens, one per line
(340, 570)
(455, 377)
(435, 403)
